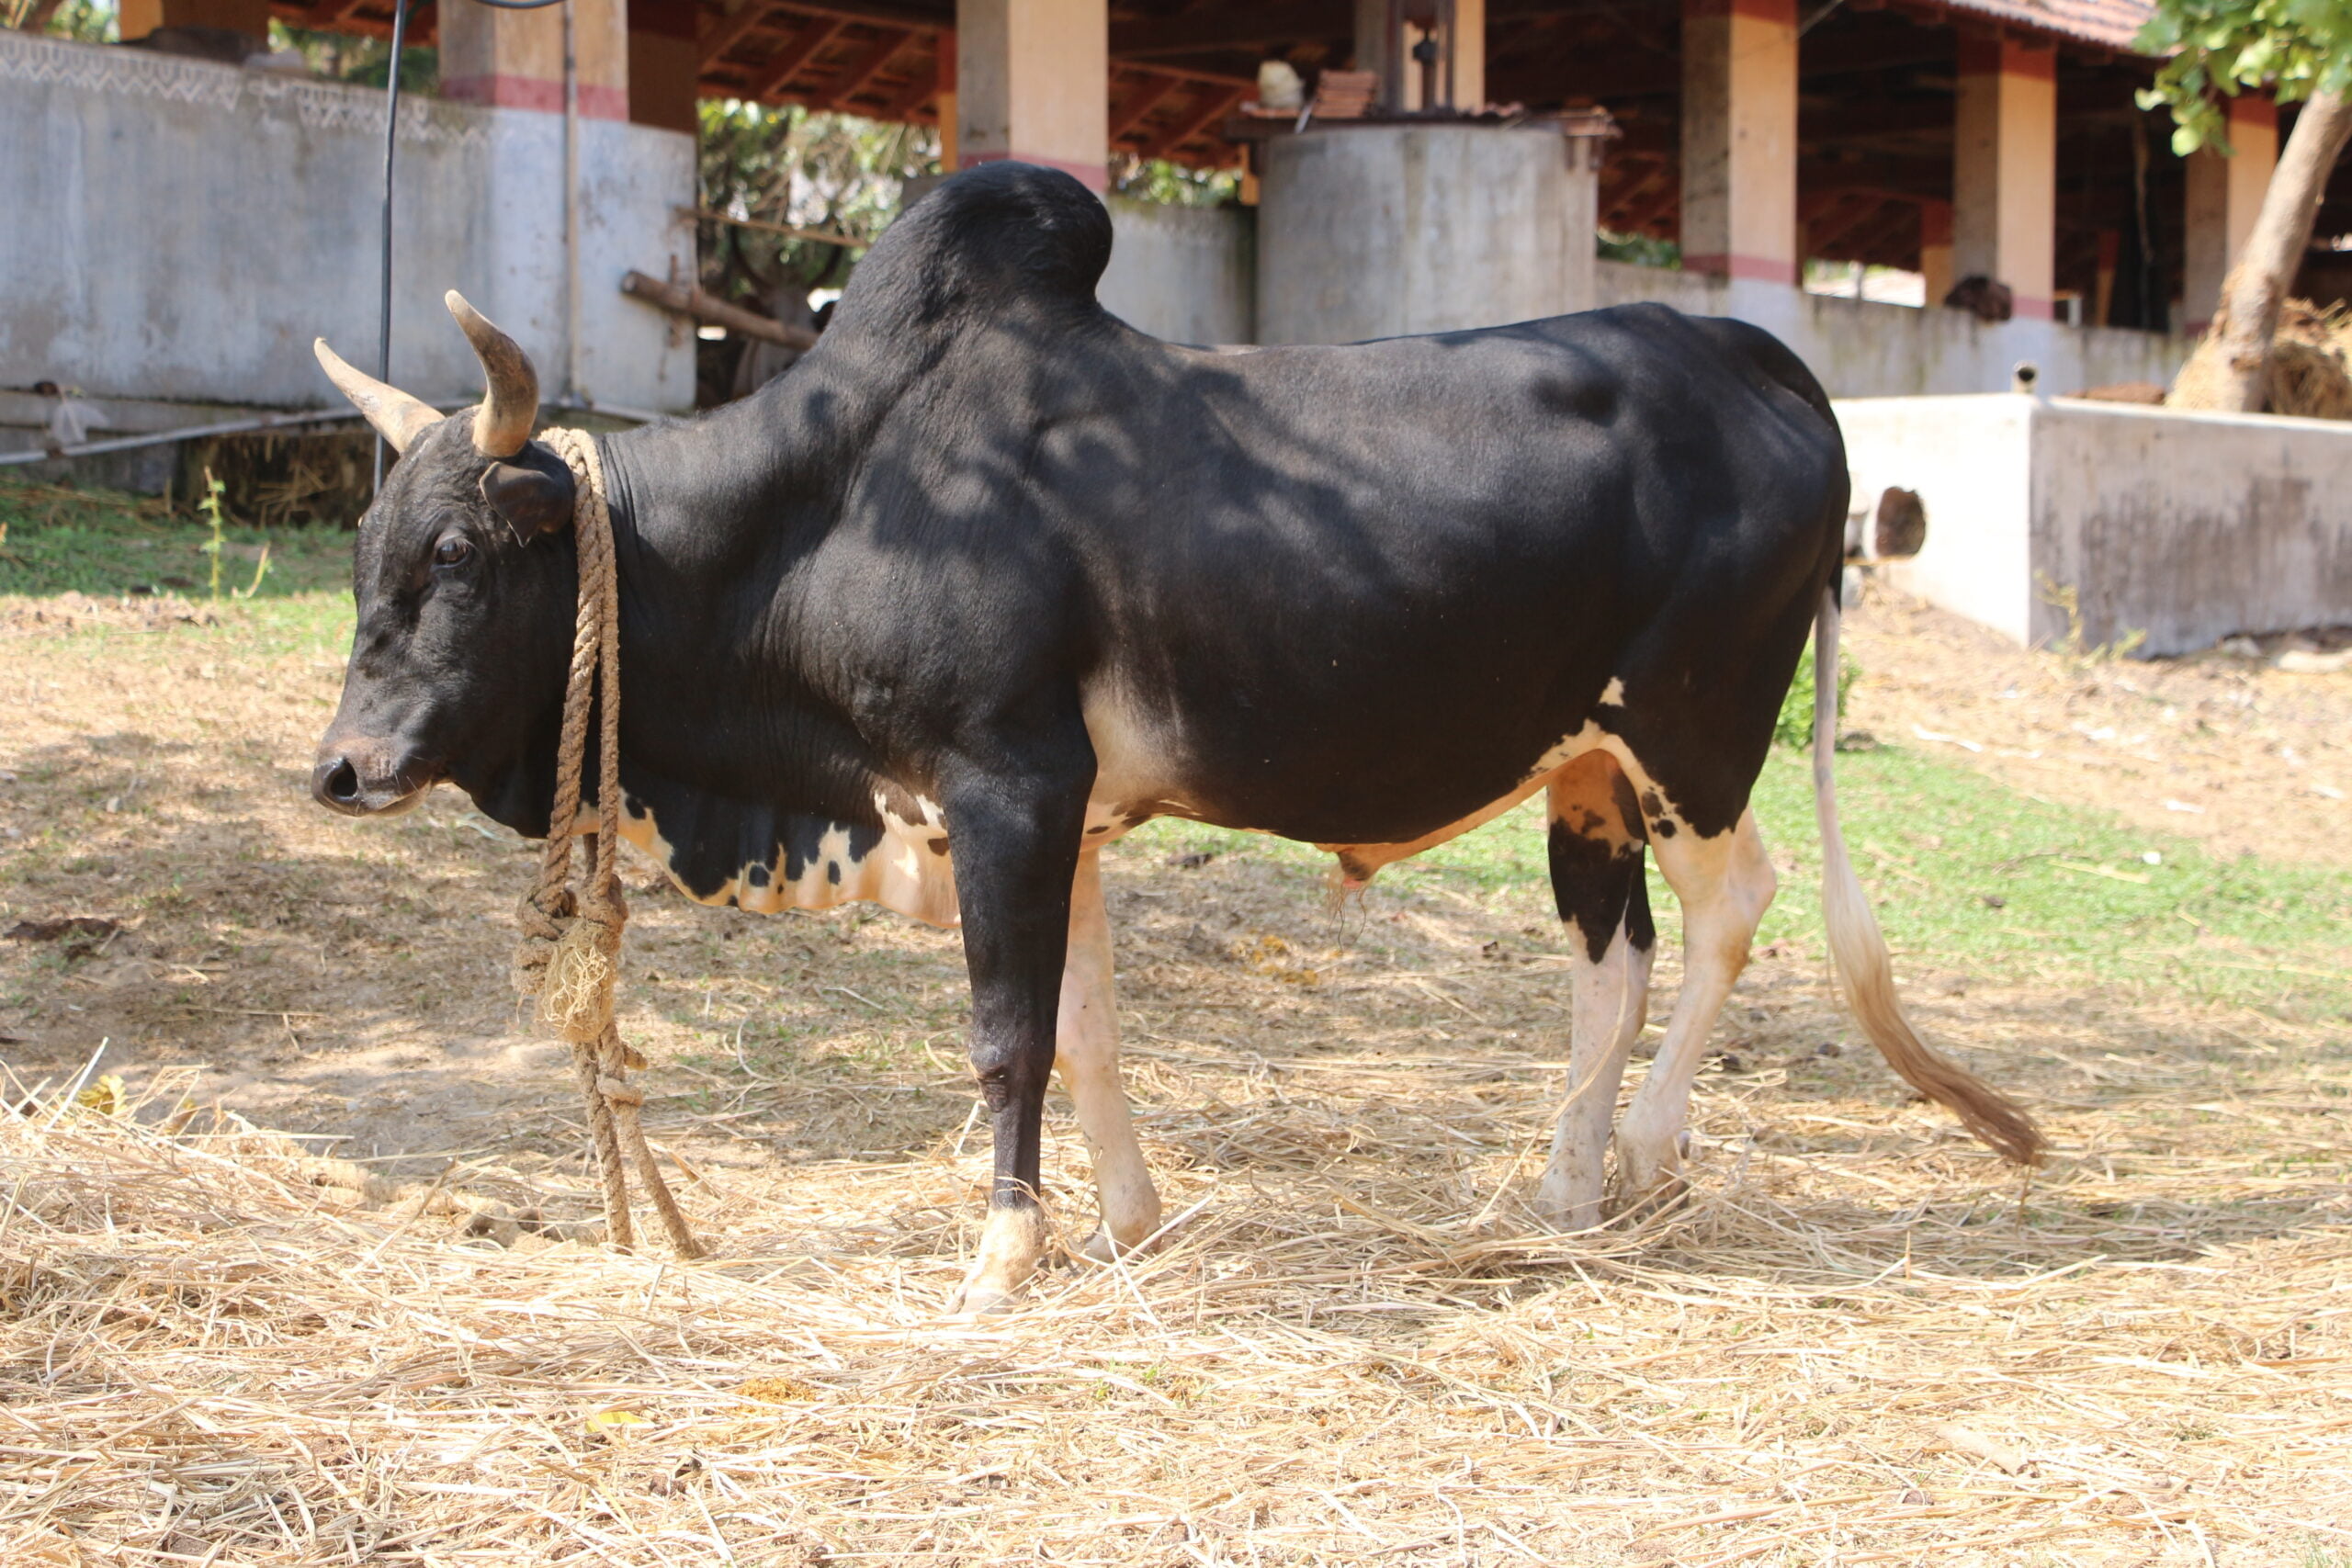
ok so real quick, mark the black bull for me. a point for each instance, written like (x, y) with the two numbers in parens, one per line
(991, 577)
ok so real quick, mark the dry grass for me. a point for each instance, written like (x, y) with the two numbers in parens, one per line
(1861, 1341)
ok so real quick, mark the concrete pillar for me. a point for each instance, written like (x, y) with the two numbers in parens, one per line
(944, 98)
(1033, 83)
(2005, 169)
(515, 59)
(137, 19)
(1466, 49)
(664, 65)
(1935, 250)
(1373, 51)
(1739, 139)
(2224, 197)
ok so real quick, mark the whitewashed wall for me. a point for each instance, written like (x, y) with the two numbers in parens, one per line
(2185, 526)
(175, 229)
(1864, 349)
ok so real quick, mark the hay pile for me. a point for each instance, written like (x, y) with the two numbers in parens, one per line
(208, 1355)
(2310, 361)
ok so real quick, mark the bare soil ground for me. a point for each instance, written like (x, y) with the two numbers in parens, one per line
(1862, 1340)
(2235, 750)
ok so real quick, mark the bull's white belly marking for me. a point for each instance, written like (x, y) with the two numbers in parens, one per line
(910, 870)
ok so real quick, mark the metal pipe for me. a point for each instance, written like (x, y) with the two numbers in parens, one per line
(289, 421)
(157, 438)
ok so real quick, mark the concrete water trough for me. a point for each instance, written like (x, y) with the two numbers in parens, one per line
(2165, 531)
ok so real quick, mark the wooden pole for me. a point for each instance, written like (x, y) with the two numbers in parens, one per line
(686, 301)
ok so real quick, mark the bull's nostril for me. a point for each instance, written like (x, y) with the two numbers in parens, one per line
(342, 783)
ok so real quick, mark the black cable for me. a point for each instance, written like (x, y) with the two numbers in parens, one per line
(384, 281)
(391, 140)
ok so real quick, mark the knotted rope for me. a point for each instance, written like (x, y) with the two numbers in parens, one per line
(570, 954)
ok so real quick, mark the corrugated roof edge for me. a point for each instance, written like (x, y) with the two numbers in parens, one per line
(2113, 24)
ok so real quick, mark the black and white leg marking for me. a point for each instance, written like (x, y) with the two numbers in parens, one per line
(1725, 883)
(1017, 836)
(1596, 854)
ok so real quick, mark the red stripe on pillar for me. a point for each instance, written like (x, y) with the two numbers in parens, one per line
(1764, 269)
(596, 101)
(1095, 178)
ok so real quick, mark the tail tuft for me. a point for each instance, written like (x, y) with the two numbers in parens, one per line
(1865, 970)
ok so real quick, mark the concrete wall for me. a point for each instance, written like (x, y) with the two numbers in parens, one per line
(1376, 231)
(180, 229)
(2185, 526)
(1862, 349)
(1186, 273)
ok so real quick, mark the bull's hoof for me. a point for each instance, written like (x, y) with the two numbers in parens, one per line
(1649, 1181)
(1569, 1219)
(976, 1298)
(1102, 1248)
(1013, 1242)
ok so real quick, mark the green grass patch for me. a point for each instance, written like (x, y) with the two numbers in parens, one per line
(1968, 875)
(55, 539)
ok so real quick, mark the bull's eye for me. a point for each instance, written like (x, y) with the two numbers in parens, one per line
(455, 550)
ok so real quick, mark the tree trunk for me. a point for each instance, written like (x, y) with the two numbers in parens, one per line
(2230, 371)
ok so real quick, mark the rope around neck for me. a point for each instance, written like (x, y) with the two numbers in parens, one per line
(568, 958)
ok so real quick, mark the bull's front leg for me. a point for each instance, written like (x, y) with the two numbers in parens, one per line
(1016, 834)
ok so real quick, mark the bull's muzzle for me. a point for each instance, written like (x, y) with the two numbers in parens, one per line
(364, 779)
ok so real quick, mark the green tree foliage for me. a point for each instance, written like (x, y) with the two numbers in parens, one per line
(85, 21)
(829, 172)
(2220, 47)
(1157, 179)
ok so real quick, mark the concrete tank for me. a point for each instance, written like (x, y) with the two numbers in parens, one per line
(1372, 231)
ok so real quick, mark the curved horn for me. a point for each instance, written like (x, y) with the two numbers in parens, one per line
(510, 406)
(397, 417)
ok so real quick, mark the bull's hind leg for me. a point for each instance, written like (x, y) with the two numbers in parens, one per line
(1725, 883)
(1087, 1054)
(1596, 854)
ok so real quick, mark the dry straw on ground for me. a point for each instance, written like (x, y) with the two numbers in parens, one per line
(1835, 1354)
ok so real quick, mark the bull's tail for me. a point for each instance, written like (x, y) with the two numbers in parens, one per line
(1865, 971)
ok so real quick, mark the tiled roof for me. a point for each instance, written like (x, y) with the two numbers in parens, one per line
(2113, 23)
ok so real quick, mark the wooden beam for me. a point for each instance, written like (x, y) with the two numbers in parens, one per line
(722, 33)
(1247, 26)
(1211, 106)
(878, 13)
(1633, 191)
(1121, 69)
(770, 74)
(1641, 215)
(910, 97)
(687, 300)
(1868, 207)
(1148, 96)
(863, 68)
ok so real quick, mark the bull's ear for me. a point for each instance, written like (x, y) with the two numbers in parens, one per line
(532, 490)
